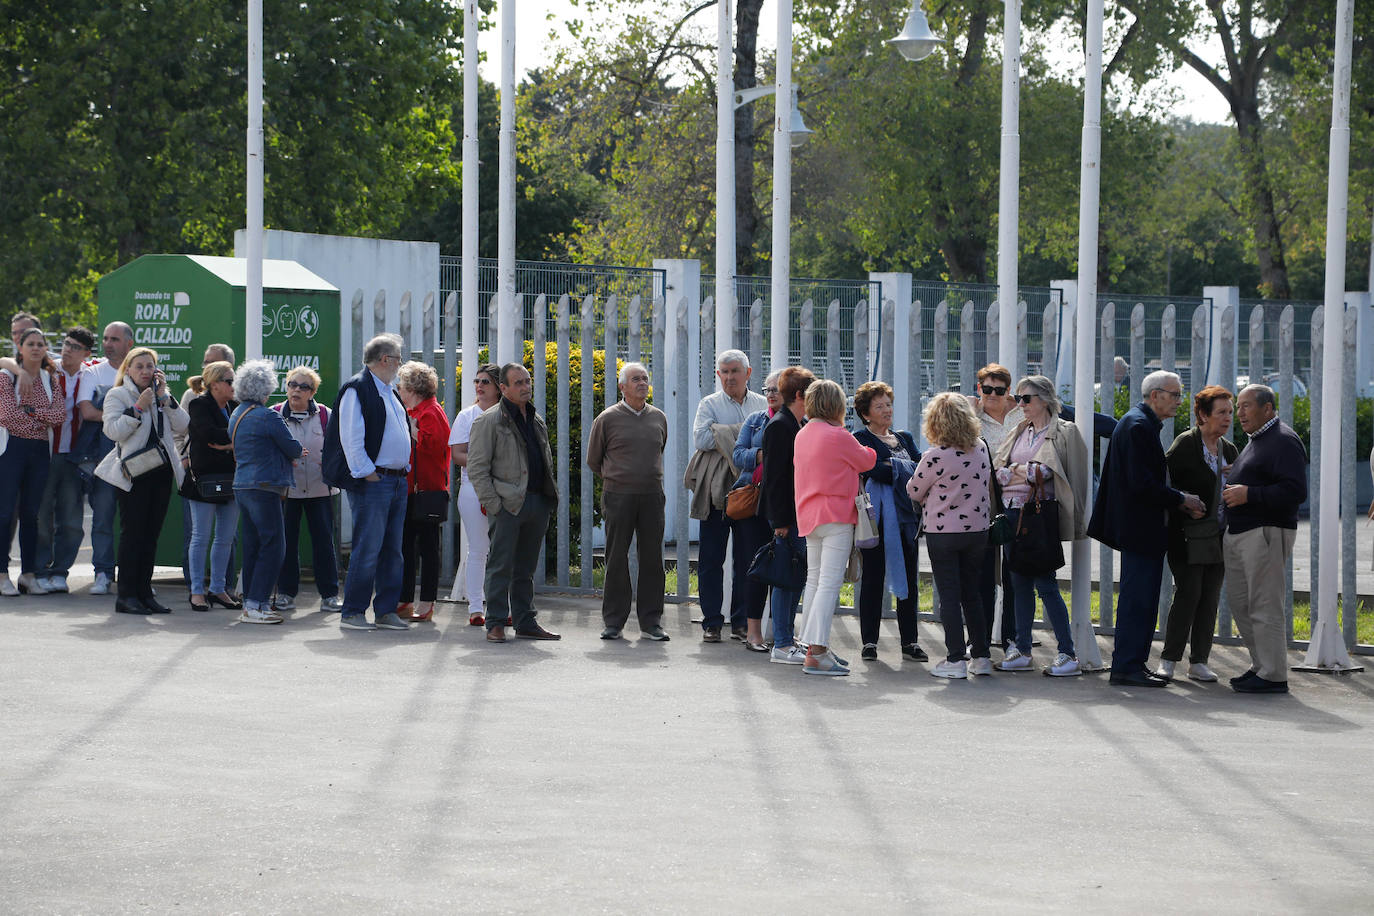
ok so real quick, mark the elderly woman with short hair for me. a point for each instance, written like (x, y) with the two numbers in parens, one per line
(264, 450)
(828, 462)
(429, 459)
(1043, 455)
(753, 532)
(894, 560)
(309, 496)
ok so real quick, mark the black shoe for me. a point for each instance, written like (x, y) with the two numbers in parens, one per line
(225, 600)
(739, 633)
(1242, 678)
(710, 634)
(869, 652)
(155, 608)
(1258, 684)
(1138, 679)
(1154, 675)
(130, 606)
(914, 652)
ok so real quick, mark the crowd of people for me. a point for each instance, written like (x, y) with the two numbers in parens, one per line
(795, 502)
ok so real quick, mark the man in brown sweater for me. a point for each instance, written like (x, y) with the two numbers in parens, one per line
(625, 449)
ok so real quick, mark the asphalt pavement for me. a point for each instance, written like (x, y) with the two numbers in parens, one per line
(188, 763)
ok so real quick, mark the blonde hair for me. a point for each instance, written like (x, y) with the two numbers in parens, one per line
(134, 354)
(419, 378)
(825, 400)
(950, 422)
(213, 372)
(307, 372)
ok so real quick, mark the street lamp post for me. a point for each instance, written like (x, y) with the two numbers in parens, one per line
(725, 178)
(782, 191)
(252, 293)
(1008, 203)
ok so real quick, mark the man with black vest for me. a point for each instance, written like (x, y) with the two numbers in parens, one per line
(1263, 491)
(511, 469)
(367, 454)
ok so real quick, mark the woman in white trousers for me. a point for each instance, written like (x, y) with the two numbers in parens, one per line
(469, 509)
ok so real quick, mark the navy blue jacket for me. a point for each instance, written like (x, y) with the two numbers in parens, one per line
(333, 462)
(1273, 465)
(777, 495)
(1133, 499)
(908, 513)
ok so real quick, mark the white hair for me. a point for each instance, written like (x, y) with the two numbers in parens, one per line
(625, 371)
(1157, 379)
(255, 381)
(732, 356)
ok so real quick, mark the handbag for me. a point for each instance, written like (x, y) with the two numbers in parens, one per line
(854, 569)
(1036, 550)
(777, 565)
(209, 488)
(149, 458)
(429, 506)
(866, 531)
(742, 502)
(999, 529)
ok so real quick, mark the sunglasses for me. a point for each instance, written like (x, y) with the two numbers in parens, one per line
(998, 390)
(1022, 398)
(300, 386)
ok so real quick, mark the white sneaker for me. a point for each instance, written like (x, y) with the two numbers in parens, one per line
(787, 655)
(1064, 666)
(1166, 668)
(31, 584)
(284, 603)
(950, 669)
(332, 605)
(981, 666)
(56, 584)
(1015, 661)
(1200, 672)
(7, 587)
(102, 584)
(257, 615)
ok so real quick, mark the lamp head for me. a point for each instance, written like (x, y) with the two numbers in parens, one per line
(917, 41)
(800, 132)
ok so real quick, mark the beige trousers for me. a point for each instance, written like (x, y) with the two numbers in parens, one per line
(1255, 561)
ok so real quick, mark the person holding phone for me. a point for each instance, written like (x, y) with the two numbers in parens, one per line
(142, 419)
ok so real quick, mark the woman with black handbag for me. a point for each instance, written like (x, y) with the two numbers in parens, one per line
(427, 505)
(209, 484)
(1042, 466)
(141, 418)
(752, 529)
(1198, 461)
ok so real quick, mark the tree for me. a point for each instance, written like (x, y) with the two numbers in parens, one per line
(124, 123)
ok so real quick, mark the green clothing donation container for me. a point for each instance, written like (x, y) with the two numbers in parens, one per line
(180, 304)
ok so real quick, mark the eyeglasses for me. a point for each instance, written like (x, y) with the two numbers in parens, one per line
(300, 386)
(998, 390)
(769, 389)
(1176, 395)
(481, 381)
(1021, 398)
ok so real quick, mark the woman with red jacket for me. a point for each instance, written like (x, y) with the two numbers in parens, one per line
(429, 460)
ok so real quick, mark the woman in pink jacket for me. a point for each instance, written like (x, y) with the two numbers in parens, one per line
(828, 461)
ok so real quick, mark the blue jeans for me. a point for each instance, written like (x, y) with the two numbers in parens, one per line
(1023, 591)
(1137, 609)
(224, 517)
(23, 475)
(374, 566)
(59, 518)
(784, 602)
(714, 532)
(319, 518)
(104, 498)
(230, 579)
(264, 545)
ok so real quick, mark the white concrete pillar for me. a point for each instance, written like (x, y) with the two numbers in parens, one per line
(1068, 312)
(683, 279)
(1221, 297)
(896, 287)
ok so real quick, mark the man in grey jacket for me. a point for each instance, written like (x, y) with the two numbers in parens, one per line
(511, 469)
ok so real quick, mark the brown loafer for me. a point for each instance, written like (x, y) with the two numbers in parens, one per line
(496, 634)
(536, 632)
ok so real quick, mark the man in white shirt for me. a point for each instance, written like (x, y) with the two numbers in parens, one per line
(728, 407)
(367, 454)
(117, 341)
(59, 510)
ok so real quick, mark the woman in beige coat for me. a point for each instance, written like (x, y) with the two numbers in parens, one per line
(1046, 454)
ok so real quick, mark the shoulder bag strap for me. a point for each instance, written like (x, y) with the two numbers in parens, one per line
(233, 432)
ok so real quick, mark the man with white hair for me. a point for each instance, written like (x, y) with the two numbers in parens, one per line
(1131, 515)
(625, 449)
(367, 455)
(719, 418)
